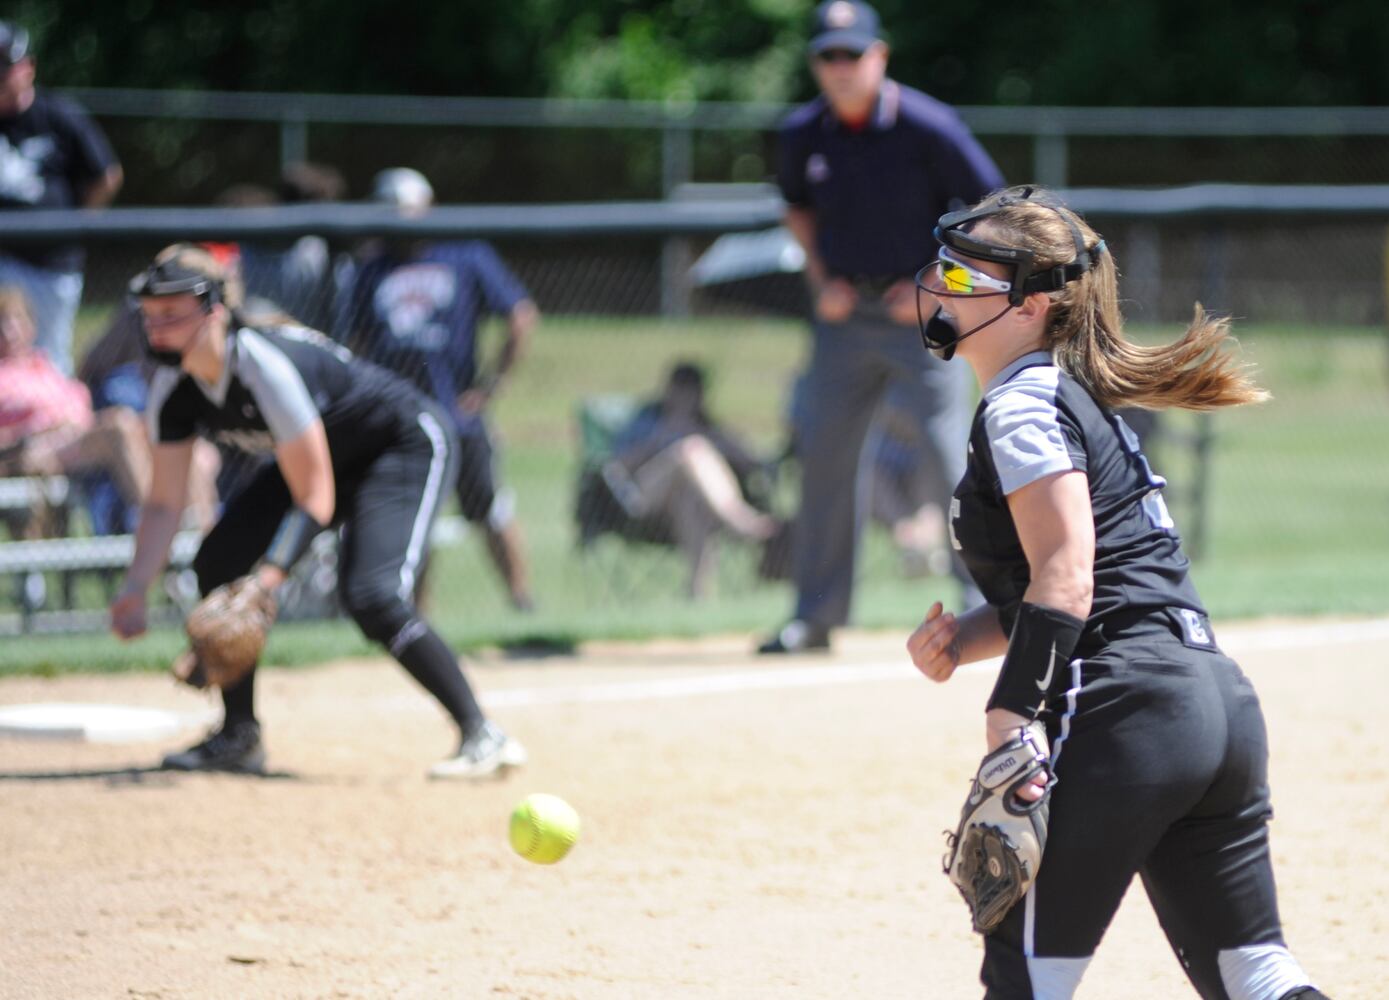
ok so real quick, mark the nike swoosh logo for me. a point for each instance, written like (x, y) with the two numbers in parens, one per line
(1045, 682)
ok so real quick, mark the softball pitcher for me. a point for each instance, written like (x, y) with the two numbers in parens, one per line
(1158, 753)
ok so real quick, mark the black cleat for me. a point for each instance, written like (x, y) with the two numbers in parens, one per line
(236, 747)
(797, 636)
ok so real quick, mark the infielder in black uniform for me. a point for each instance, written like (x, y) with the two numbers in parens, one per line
(354, 446)
(1158, 742)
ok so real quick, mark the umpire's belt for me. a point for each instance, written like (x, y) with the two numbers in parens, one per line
(1192, 628)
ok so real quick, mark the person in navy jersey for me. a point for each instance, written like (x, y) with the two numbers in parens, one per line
(415, 307)
(866, 169)
(51, 156)
(1157, 742)
(352, 446)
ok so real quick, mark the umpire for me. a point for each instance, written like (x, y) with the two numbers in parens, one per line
(866, 169)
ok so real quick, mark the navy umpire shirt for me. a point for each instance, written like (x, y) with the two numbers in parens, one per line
(878, 191)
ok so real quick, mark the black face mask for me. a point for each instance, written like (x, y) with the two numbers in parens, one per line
(169, 359)
(165, 359)
(941, 336)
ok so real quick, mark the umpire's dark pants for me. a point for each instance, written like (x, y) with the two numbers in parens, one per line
(850, 370)
(1161, 762)
(385, 508)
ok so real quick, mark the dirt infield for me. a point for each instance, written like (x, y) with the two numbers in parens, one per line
(752, 829)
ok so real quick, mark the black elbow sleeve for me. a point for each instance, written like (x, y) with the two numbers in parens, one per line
(292, 539)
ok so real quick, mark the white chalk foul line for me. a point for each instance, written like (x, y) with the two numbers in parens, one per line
(1235, 640)
(684, 687)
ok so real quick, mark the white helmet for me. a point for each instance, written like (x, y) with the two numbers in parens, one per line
(406, 189)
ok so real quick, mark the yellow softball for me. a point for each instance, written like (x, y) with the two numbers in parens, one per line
(543, 828)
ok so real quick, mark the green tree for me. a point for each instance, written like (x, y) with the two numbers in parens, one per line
(1078, 52)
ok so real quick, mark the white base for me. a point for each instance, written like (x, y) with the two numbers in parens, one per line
(94, 723)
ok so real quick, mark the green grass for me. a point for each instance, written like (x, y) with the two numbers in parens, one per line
(1298, 515)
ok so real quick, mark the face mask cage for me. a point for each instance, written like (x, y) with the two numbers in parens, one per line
(952, 232)
(161, 279)
(168, 279)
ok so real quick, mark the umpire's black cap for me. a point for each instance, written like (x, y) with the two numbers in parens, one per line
(14, 44)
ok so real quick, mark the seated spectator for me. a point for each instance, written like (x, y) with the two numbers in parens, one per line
(47, 424)
(672, 462)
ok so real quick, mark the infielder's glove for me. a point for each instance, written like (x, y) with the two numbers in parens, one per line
(226, 633)
(996, 850)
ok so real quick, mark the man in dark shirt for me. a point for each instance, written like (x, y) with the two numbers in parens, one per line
(51, 156)
(415, 308)
(866, 170)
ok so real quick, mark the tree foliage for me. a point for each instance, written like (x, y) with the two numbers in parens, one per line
(1069, 52)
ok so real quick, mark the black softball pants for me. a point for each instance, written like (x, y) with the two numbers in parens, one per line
(385, 511)
(1161, 761)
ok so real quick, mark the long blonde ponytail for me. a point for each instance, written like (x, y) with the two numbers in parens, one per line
(1085, 327)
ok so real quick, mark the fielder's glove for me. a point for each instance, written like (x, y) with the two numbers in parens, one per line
(226, 633)
(993, 856)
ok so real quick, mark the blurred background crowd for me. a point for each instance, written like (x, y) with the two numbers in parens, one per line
(586, 192)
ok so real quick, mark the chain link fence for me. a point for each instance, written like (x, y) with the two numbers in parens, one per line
(1285, 491)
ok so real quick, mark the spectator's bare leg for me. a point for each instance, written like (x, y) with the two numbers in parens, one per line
(695, 527)
(202, 485)
(119, 446)
(507, 552)
(694, 465)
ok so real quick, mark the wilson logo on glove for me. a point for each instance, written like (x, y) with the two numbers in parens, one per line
(994, 854)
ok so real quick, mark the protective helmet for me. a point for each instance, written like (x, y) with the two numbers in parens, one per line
(406, 189)
(187, 269)
(953, 232)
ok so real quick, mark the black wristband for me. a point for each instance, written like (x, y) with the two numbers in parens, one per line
(1042, 637)
(292, 539)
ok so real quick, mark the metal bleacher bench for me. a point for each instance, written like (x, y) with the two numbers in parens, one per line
(27, 561)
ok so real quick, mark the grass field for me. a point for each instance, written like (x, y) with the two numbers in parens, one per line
(1297, 515)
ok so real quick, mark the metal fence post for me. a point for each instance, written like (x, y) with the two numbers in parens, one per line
(1050, 159)
(677, 168)
(1215, 254)
(294, 139)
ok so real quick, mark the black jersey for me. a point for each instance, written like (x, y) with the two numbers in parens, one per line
(276, 382)
(1034, 421)
(50, 153)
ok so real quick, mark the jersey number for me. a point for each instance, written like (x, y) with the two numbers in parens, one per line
(1154, 506)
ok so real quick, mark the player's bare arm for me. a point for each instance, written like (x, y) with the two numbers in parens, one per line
(159, 521)
(944, 640)
(102, 191)
(307, 467)
(834, 297)
(1056, 527)
(520, 325)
